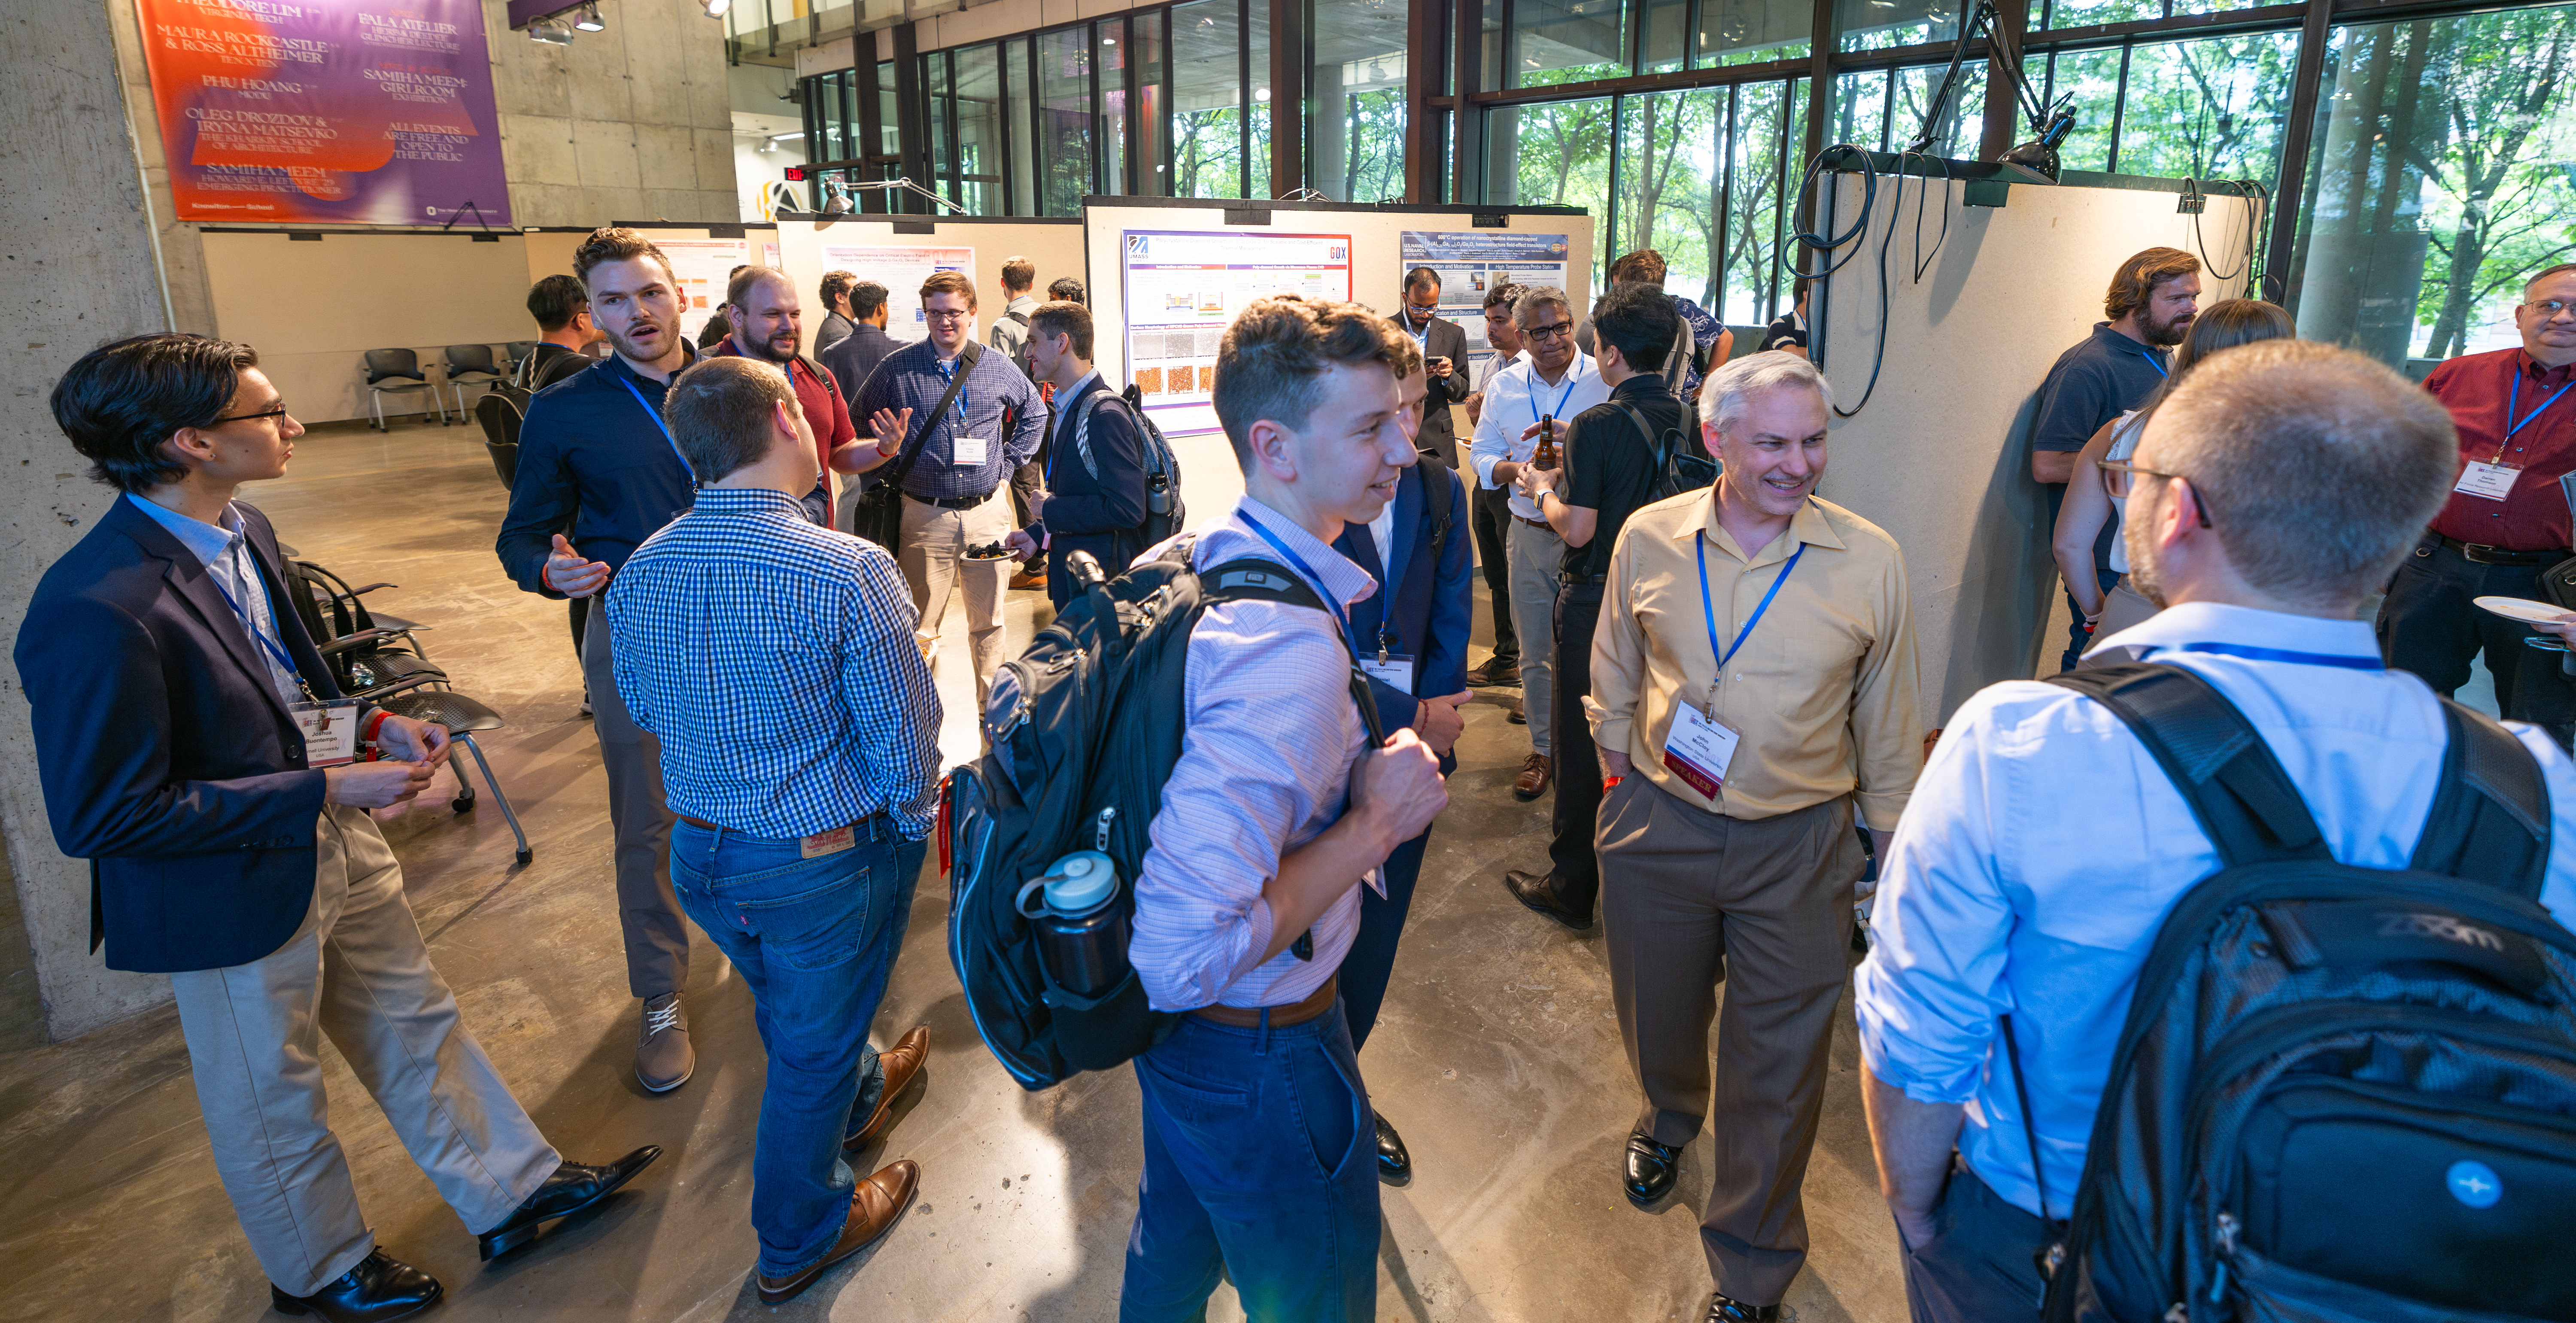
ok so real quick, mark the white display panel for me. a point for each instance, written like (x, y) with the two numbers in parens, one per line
(1181, 289)
(901, 270)
(1471, 262)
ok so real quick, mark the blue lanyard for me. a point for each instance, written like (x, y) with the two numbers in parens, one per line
(2513, 401)
(1341, 616)
(1572, 380)
(2251, 653)
(285, 662)
(947, 373)
(656, 416)
(1708, 608)
(2156, 361)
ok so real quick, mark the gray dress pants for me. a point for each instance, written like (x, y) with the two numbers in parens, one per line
(648, 911)
(358, 971)
(1537, 558)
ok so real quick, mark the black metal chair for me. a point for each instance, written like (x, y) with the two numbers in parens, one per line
(349, 615)
(462, 717)
(519, 351)
(398, 372)
(469, 365)
(500, 417)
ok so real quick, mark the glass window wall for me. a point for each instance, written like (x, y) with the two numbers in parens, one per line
(1356, 105)
(1208, 127)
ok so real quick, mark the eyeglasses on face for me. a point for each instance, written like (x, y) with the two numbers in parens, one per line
(278, 412)
(1543, 334)
(947, 314)
(2550, 308)
(2119, 478)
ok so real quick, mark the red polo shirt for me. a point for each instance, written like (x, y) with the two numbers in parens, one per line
(825, 413)
(2478, 389)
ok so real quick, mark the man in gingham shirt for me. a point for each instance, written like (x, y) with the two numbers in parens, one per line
(799, 736)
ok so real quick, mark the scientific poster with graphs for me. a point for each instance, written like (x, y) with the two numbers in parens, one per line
(901, 270)
(373, 112)
(1471, 262)
(1183, 289)
(705, 268)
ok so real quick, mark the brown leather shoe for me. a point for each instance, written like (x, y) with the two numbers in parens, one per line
(902, 1062)
(1534, 778)
(874, 1206)
(1029, 579)
(1495, 673)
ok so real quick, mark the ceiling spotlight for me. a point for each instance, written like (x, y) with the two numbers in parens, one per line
(715, 8)
(590, 21)
(551, 32)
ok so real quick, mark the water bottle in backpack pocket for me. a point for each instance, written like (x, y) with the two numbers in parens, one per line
(1082, 930)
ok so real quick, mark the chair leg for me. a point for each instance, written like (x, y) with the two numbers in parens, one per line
(525, 854)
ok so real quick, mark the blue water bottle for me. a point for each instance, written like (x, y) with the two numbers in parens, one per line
(1082, 934)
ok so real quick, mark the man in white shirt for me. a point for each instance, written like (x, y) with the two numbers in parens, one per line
(1556, 382)
(2274, 489)
(1493, 511)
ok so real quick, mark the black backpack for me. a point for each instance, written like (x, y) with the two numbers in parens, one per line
(2341, 1093)
(1165, 515)
(1678, 466)
(1085, 727)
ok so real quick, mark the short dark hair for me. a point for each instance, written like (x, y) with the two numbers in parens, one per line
(1639, 319)
(555, 301)
(718, 412)
(120, 402)
(835, 284)
(2136, 280)
(1018, 273)
(616, 243)
(866, 297)
(1504, 294)
(1642, 267)
(748, 278)
(1421, 275)
(1272, 361)
(1068, 289)
(948, 282)
(1064, 317)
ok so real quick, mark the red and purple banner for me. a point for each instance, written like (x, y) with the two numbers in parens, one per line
(355, 112)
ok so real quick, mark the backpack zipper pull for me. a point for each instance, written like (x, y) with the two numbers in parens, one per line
(1100, 835)
(2227, 1229)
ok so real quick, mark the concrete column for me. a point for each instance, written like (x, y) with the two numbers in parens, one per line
(76, 235)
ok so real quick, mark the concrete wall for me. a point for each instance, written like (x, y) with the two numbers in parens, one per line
(634, 123)
(77, 232)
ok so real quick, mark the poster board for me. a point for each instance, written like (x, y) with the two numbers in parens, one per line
(901, 268)
(373, 112)
(704, 267)
(1473, 262)
(1054, 246)
(1182, 288)
(1940, 456)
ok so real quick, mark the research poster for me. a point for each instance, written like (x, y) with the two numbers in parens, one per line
(1182, 289)
(901, 270)
(1473, 261)
(374, 112)
(705, 268)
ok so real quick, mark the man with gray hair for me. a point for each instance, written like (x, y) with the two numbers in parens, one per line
(1752, 688)
(2274, 489)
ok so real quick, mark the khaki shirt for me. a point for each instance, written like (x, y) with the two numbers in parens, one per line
(1823, 691)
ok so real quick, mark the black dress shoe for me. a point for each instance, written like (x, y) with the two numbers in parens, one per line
(1651, 1168)
(380, 1288)
(1394, 1165)
(1538, 891)
(1723, 1310)
(571, 1189)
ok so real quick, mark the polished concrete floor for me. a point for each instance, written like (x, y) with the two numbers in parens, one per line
(1498, 1055)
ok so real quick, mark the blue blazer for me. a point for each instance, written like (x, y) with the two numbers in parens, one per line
(1083, 513)
(1431, 606)
(168, 759)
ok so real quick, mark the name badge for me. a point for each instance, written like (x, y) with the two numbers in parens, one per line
(1390, 668)
(2488, 481)
(329, 730)
(828, 842)
(1699, 748)
(968, 451)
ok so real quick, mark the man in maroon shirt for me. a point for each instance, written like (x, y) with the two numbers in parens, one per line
(2507, 519)
(761, 303)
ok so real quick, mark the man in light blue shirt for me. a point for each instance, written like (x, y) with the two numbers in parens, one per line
(2044, 847)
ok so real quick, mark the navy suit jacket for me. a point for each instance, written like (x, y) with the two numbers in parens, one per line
(1099, 515)
(1431, 607)
(167, 757)
(1439, 439)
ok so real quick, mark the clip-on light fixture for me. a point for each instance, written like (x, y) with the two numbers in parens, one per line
(2032, 162)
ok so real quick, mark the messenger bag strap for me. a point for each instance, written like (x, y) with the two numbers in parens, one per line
(967, 358)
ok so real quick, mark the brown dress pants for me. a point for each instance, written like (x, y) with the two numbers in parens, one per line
(1692, 897)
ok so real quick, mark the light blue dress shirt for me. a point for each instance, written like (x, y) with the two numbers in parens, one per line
(227, 556)
(2043, 847)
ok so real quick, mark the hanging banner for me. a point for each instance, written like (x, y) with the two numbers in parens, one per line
(1183, 288)
(373, 112)
(1473, 261)
(901, 270)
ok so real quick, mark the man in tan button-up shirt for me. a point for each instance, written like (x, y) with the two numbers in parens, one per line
(1744, 734)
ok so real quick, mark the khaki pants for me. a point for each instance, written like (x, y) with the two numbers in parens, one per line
(358, 971)
(933, 541)
(1691, 897)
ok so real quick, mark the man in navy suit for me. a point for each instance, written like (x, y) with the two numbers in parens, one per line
(1094, 495)
(194, 747)
(1412, 640)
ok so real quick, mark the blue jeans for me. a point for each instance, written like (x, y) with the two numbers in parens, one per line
(1260, 1159)
(1978, 1265)
(814, 939)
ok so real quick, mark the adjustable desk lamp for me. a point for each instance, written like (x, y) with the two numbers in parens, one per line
(2032, 162)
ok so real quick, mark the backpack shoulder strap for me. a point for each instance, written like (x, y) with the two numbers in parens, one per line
(2490, 818)
(2235, 787)
(1253, 580)
(1082, 431)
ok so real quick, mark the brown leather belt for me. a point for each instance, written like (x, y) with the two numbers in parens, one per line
(2481, 554)
(1249, 1017)
(1537, 523)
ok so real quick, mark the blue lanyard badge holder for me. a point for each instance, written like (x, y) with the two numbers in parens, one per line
(328, 727)
(1700, 748)
(2493, 479)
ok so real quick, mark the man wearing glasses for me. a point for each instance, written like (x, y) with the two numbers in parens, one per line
(952, 463)
(2506, 519)
(1444, 347)
(1556, 382)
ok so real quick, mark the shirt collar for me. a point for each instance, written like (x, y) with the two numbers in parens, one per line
(1807, 527)
(1574, 372)
(2546, 376)
(208, 542)
(1342, 579)
(690, 358)
(1083, 385)
(746, 500)
(2181, 625)
(1649, 384)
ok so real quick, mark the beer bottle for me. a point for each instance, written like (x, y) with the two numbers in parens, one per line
(1545, 459)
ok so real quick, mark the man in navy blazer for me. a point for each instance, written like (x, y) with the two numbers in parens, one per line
(194, 747)
(1412, 641)
(1094, 495)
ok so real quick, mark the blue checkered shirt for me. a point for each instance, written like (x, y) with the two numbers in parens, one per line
(776, 662)
(913, 378)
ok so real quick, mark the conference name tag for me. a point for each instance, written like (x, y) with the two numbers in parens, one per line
(968, 451)
(2488, 481)
(1390, 668)
(1699, 748)
(329, 731)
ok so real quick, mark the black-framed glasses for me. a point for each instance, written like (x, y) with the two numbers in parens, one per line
(1543, 334)
(2120, 477)
(278, 412)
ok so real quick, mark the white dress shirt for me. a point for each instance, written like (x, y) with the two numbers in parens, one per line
(2044, 846)
(1518, 397)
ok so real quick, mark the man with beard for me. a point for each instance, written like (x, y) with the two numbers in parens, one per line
(2152, 300)
(761, 305)
(598, 474)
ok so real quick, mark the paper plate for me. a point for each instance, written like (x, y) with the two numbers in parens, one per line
(2520, 608)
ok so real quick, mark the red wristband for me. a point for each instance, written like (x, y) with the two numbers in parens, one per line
(375, 721)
